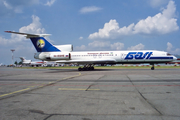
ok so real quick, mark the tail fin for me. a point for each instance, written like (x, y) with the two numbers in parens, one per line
(42, 45)
(22, 58)
(39, 42)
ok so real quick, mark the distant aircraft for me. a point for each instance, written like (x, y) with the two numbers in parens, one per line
(64, 54)
(30, 62)
(36, 63)
(24, 61)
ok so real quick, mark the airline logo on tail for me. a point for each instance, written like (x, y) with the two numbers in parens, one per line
(40, 43)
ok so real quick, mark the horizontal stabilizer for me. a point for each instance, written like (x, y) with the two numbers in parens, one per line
(39, 42)
(29, 35)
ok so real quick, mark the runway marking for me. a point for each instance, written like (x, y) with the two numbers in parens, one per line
(71, 77)
(38, 84)
(76, 89)
(14, 92)
(120, 85)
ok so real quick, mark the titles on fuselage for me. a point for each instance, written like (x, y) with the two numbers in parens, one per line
(138, 55)
(58, 55)
(97, 53)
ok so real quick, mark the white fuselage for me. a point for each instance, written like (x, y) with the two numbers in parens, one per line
(107, 57)
(63, 54)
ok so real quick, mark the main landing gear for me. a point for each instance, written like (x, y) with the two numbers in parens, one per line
(86, 68)
(152, 68)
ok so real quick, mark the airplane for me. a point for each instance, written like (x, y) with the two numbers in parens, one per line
(1, 64)
(30, 62)
(24, 61)
(36, 63)
(64, 54)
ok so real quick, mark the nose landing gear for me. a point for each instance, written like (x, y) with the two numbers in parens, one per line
(152, 68)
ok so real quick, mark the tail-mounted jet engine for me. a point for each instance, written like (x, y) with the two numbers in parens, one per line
(53, 56)
(65, 48)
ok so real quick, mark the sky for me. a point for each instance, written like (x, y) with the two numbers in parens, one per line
(90, 25)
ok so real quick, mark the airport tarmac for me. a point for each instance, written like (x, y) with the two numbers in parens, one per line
(109, 94)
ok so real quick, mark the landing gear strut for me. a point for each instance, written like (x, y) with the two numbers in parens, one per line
(152, 68)
(86, 68)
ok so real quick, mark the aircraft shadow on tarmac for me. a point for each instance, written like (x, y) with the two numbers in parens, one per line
(75, 70)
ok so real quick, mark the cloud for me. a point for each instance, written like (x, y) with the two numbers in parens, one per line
(3, 41)
(157, 3)
(99, 45)
(140, 46)
(34, 27)
(161, 23)
(111, 30)
(117, 46)
(170, 49)
(9, 7)
(50, 3)
(89, 9)
(169, 46)
(82, 47)
(80, 38)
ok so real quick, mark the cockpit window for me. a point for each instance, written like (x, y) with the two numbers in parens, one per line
(168, 54)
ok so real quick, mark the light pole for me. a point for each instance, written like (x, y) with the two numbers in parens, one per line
(12, 56)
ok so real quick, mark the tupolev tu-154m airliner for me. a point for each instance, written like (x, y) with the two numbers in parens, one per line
(64, 54)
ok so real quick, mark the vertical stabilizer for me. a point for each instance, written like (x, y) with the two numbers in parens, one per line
(39, 42)
(42, 45)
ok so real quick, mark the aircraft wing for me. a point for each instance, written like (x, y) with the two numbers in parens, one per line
(88, 61)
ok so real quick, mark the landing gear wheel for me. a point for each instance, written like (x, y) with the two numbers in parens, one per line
(86, 68)
(90, 68)
(83, 68)
(79, 68)
(152, 68)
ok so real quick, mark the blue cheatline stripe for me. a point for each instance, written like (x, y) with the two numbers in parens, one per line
(161, 58)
